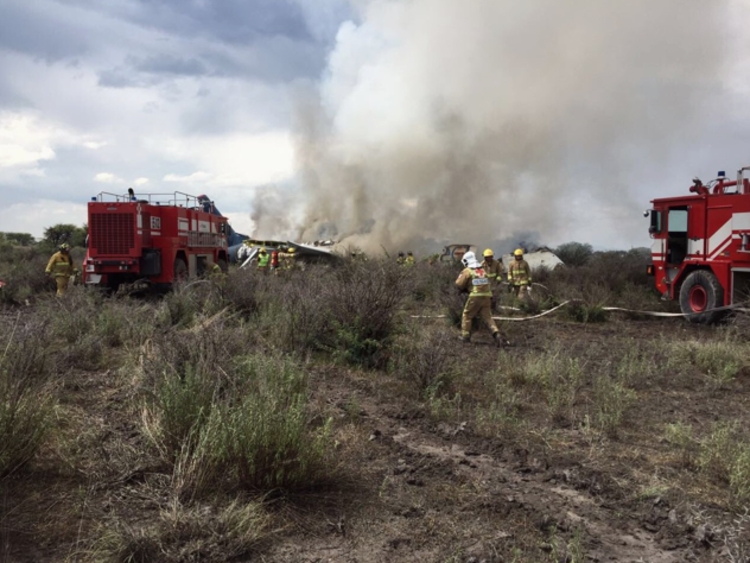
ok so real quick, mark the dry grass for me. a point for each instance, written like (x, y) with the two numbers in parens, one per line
(221, 376)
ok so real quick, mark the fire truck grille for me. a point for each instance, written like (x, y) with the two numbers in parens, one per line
(112, 233)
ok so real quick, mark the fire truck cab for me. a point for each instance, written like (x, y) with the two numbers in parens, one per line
(156, 239)
(701, 249)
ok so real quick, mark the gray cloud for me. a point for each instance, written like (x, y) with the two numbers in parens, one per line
(29, 27)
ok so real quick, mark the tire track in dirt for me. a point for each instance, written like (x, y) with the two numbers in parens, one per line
(614, 543)
(436, 492)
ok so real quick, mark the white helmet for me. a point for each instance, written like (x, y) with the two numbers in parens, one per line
(469, 260)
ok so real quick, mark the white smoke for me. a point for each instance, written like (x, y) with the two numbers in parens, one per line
(472, 121)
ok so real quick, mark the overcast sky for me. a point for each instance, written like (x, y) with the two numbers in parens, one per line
(161, 95)
(199, 96)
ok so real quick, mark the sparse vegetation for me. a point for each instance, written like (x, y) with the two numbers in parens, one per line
(212, 421)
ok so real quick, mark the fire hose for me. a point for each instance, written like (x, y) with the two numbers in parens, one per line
(737, 308)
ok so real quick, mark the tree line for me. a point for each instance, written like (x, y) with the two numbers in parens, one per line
(53, 236)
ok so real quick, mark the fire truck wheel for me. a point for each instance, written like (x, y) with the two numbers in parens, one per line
(180, 270)
(700, 293)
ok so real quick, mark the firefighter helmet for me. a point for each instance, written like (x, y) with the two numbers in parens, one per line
(65, 246)
(469, 260)
(518, 252)
(488, 252)
(291, 250)
(263, 250)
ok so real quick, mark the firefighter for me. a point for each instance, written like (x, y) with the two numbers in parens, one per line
(263, 260)
(494, 270)
(475, 282)
(401, 259)
(61, 267)
(410, 261)
(519, 275)
(274, 259)
(291, 258)
(216, 272)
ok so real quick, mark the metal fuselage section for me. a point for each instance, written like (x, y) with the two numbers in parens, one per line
(154, 238)
(706, 231)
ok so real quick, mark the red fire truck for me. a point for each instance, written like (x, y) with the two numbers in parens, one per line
(153, 238)
(701, 249)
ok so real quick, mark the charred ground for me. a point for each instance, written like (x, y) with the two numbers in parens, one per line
(317, 417)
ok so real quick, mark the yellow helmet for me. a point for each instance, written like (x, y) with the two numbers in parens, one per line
(262, 248)
(291, 250)
(518, 252)
(488, 252)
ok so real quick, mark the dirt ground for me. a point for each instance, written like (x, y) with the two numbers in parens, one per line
(415, 484)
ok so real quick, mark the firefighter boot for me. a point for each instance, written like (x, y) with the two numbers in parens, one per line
(499, 340)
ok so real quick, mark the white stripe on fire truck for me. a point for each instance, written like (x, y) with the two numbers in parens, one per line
(695, 247)
(657, 248)
(720, 239)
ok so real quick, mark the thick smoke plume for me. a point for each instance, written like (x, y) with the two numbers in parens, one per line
(472, 121)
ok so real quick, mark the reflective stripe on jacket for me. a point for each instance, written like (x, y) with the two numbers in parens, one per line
(60, 265)
(480, 284)
(519, 273)
(494, 271)
(263, 260)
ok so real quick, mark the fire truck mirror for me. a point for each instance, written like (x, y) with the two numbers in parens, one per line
(655, 226)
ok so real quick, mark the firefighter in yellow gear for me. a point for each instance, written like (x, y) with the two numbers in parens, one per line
(401, 260)
(495, 272)
(473, 279)
(61, 267)
(264, 260)
(410, 261)
(288, 258)
(216, 272)
(519, 275)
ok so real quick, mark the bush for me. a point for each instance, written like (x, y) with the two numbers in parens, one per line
(26, 400)
(248, 426)
(719, 360)
(264, 440)
(574, 253)
(187, 533)
(681, 436)
(614, 278)
(611, 401)
(560, 377)
(349, 312)
(426, 358)
(22, 270)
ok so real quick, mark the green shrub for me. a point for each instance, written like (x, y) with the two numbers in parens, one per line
(248, 425)
(739, 476)
(426, 358)
(718, 450)
(559, 375)
(265, 440)
(719, 360)
(681, 436)
(22, 270)
(611, 400)
(26, 400)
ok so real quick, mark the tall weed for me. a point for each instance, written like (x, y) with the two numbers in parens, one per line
(27, 402)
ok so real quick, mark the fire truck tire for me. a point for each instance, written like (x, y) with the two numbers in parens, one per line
(180, 270)
(700, 293)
